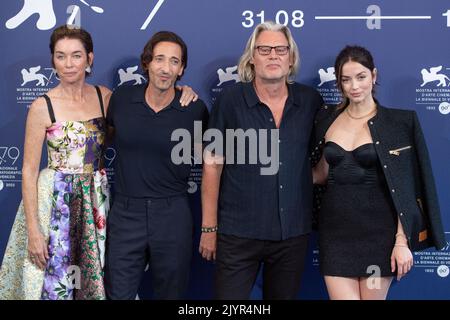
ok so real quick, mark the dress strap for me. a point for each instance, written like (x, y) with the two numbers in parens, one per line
(50, 108)
(100, 98)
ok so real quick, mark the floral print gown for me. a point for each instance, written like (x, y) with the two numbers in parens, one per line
(73, 201)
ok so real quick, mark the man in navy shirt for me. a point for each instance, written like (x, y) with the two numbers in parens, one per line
(150, 221)
(252, 215)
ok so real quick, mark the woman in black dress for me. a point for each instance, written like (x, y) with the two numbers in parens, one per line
(367, 152)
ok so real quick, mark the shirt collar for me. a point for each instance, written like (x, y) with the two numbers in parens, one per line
(138, 96)
(251, 98)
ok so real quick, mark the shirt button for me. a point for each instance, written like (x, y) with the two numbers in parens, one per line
(385, 166)
(271, 120)
(281, 163)
(393, 190)
(401, 214)
(281, 186)
(325, 107)
(378, 142)
(371, 122)
(279, 140)
(281, 209)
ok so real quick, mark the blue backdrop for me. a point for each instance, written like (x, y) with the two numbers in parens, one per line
(409, 40)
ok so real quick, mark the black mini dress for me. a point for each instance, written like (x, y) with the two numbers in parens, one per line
(357, 220)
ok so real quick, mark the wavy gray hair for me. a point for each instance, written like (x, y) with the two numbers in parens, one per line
(245, 68)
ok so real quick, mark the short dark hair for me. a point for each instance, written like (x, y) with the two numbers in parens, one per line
(71, 32)
(356, 54)
(163, 36)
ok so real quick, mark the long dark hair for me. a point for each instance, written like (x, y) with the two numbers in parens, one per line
(356, 54)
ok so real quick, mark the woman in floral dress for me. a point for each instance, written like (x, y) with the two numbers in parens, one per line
(57, 243)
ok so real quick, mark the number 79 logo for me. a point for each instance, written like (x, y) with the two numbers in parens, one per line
(9, 154)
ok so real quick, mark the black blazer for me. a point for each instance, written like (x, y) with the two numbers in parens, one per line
(403, 154)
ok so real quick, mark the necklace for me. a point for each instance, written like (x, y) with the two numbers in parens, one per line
(361, 117)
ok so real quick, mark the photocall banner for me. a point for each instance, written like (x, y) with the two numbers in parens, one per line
(410, 41)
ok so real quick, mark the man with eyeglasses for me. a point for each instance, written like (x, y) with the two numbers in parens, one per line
(254, 218)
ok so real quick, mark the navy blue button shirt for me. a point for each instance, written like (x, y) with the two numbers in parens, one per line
(267, 207)
(142, 138)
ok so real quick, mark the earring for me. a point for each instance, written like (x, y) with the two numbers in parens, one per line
(88, 69)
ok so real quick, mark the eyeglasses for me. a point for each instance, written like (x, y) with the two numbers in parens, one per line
(266, 50)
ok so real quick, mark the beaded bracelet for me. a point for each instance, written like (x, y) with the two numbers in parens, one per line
(209, 229)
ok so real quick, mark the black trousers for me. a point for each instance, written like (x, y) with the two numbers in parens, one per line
(153, 231)
(238, 261)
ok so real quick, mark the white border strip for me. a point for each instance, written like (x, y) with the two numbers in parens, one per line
(372, 17)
